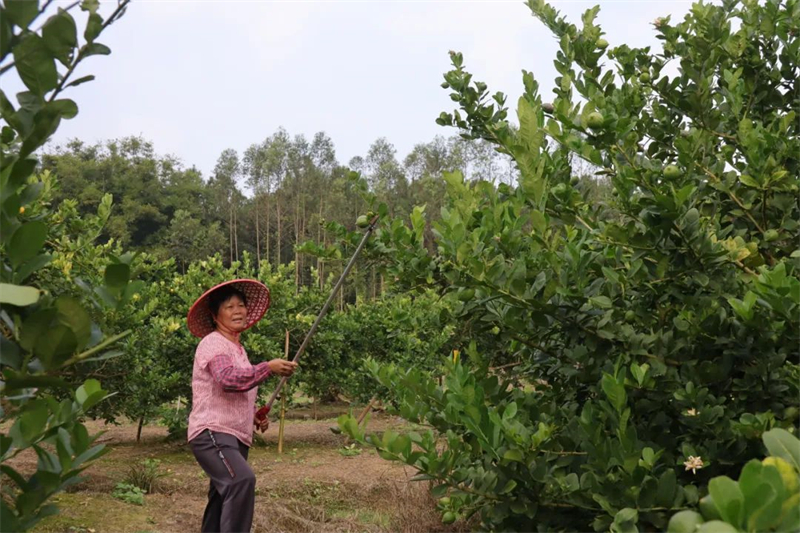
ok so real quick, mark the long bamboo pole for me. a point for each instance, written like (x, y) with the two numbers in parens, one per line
(283, 402)
(264, 410)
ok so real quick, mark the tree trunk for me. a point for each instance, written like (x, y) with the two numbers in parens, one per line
(373, 282)
(235, 235)
(269, 258)
(258, 239)
(139, 430)
(278, 214)
(320, 262)
(230, 230)
(296, 242)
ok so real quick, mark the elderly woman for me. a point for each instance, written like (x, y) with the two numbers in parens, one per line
(224, 390)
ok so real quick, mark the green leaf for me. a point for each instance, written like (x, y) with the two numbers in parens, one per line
(60, 36)
(6, 34)
(666, 488)
(15, 476)
(89, 455)
(615, 392)
(728, 499)
(763, 491)
(9, 353)
(117, 275)
(716, 526)
(18, 295)
(783, 444)
(46, 122)
(64, 107)
(27, 241)
(684, 522)
(626, 515)
(72, 314)
(94, 399)
(749, 181)
(96, 49)
(625, 521)
(539, 222)
(32, 265)
(35, 327)
(56, 346)
(35, 65)
(8, 518)
(80, 81)
(513, 455)
(93, 27)
(33, 420)
(89, 387)
(602, 302)
(510, 485)
(510, 411)
(21, 12)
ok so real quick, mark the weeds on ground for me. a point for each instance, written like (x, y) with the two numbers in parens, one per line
(349, 451)
(129, 494)
(145, 475)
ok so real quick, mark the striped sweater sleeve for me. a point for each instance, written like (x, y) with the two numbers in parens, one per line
(236, 379)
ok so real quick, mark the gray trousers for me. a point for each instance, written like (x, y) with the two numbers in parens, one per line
(232, 491)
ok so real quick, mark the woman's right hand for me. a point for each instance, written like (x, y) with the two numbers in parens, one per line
(282, 367)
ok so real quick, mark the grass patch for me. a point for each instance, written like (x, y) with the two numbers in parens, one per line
(81, 512)
(368, 517)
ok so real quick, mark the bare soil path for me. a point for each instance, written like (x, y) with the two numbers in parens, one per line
(312, 486)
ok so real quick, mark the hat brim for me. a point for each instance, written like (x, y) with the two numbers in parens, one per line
(200, 320)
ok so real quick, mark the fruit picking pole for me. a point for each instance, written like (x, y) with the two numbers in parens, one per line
(264, 410)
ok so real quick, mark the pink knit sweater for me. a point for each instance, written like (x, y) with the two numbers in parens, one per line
(214, 407)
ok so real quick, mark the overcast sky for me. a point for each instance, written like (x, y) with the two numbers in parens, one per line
(196, 77)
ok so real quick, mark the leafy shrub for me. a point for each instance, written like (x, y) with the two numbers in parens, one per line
(44, 329)
(176, 421)
(656, 340)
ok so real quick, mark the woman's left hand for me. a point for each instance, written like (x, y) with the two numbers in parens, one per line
(261, 425)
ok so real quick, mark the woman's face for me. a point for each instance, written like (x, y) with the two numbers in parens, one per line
(232, 315)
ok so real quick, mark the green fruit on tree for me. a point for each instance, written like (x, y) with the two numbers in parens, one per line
(672, 172)
(595, 120)
(547, 107)
(630, 315)
(444, 502)
(466, 295)
(362, 221)
(790, 413)
(602, 44)
(788, 474)
(771, 235)
(644, 77)
(448, 518)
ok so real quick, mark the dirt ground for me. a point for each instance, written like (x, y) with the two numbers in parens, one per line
(312, 486)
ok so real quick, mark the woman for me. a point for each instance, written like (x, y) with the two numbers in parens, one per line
(224, 390)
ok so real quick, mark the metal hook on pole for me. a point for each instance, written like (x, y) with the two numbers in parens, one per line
(262, 413)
